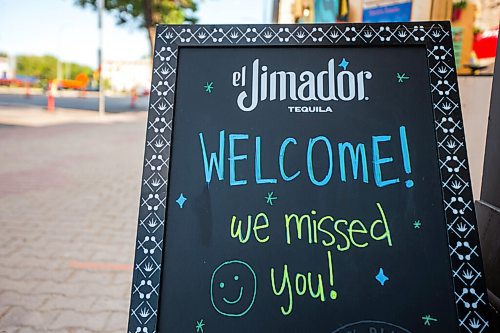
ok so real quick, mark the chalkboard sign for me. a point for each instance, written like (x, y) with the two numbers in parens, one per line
(306, 178)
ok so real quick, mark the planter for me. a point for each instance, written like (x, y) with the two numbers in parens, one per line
(456, 14)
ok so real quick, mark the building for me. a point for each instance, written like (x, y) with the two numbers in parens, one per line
(7, 69)
(488, 14)
(329, 11)
(123, 76)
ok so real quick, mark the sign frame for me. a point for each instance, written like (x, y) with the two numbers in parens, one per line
(463, 240)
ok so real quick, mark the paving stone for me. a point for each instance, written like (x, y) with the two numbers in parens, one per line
(116, 320)
(28, 300)
(93, 321)
(112, 304)
(28, 318)
(68, 202)
(58, 302)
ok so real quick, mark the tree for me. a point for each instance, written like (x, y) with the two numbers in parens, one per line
(44, 68)
(149, 13)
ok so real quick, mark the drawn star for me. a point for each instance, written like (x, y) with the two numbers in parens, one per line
(427, 320)
(344, 63)
(199, 326)
(381, 277)
(417, 224)
(270, 198)
(209, 87)
(181, 200)
(402, 77)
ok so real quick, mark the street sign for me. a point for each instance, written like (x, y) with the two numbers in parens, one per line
(306, 178)
(386, 11)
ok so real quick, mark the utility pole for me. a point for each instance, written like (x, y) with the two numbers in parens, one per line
(100, 8)
(59, 69)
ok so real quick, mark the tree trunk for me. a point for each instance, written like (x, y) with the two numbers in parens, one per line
(152, 17)
(151, 35)
(150, 26)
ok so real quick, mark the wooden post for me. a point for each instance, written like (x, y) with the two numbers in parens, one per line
(464, 37)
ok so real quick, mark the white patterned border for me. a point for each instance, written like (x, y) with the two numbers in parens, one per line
(467, 268)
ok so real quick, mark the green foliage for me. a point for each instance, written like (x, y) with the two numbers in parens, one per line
(44, 68)
(459, 4)
(3, 54)
(76, 69)
(478, 31)
(148, 13)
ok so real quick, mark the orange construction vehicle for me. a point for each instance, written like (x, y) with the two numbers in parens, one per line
(80, 82)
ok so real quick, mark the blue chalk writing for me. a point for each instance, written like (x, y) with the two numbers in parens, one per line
(282, 160)
(319, 162)
(310, 167)
(355, 157)
(406, 154)
(233, 158)
(218, 162)
(258, 172)
(377, 161)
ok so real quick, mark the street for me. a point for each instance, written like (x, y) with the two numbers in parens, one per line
(68, 201)
(89, 102)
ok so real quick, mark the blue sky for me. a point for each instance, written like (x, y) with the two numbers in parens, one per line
(60, 28)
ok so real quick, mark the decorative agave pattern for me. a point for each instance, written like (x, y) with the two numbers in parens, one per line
(153, 223)
(144, 313)
(446, 106)
(402, 34)
(457, 195)
(148, 267)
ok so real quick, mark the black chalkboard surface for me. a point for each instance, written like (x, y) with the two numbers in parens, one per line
(306, 179)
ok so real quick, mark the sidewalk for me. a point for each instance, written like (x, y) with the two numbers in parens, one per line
(35, 116)
(69, 198)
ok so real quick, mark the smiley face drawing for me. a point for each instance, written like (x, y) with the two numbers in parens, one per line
(233, 288)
